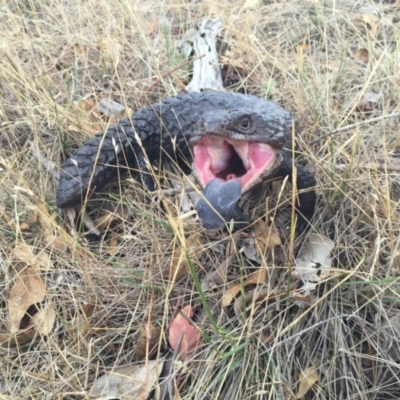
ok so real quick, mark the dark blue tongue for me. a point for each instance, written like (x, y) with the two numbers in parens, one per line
(220, 198)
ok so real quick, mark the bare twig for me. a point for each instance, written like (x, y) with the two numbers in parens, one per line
(356, 124)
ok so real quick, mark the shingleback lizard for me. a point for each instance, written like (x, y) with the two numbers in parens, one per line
(235, 142)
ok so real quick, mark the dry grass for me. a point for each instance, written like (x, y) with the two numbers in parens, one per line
(305, 55)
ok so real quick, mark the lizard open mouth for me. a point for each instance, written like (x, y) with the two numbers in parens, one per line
(219, 158)
(226, 169)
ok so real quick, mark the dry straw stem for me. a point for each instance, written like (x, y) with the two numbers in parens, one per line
(60, 58)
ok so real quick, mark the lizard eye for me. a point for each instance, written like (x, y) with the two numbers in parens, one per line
(245, 123)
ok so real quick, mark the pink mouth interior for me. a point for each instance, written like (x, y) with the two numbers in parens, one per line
(218, 158)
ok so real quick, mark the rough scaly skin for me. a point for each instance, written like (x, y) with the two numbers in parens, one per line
(166, 128)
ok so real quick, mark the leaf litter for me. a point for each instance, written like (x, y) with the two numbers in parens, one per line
(361, 239)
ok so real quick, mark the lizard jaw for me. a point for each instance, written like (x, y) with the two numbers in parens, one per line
(226, 169)
(224, 159)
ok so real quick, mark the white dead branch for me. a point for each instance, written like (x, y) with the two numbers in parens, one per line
(206, 69)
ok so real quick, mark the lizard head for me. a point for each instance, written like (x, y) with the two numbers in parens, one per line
(233, 150)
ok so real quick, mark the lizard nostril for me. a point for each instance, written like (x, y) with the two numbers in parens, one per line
(223, 127)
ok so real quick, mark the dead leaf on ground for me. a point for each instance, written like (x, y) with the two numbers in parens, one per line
(367, 23)
(89, 309)
(152, 28)
(368, 103)
(86, 104)
(147, 342)
(302, 298)
(217, 277)
(313, 262)
(183, 337)
(267, 238)
(47, 223)
(308, 378)
(55, 244)
(22, 337)
(27, 315)
(112, 247)
(362, 55)
(24, 226)
(134, 381)
(255, 278)
(104, 221)
(26, 254)
(28, 290)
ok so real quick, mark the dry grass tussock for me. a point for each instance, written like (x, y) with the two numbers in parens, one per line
(333, 64)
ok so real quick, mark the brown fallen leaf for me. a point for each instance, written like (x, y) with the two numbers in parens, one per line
(88, 104)
(55, 244)
(28, 290)
(219, 276)
(47, 223)
(20, 338)
(85, 104)
(368, 103)
(24, 226)
(255, 278)
(112, 247)
(134, 381)
(302, 298)
(266, 237)
(147, 342)
(26, 254)
(362, 55)
(89, 309)
(152, 28)
(104, 221)
(308, 378)
(183, 337)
